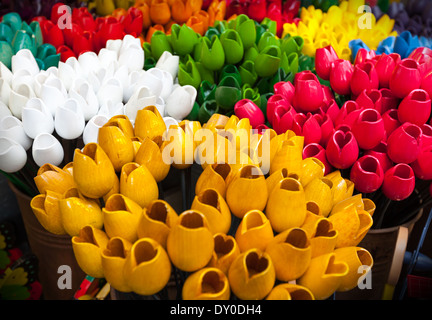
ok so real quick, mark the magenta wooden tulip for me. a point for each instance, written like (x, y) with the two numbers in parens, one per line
(399, 182)
(427, 135)
(308, 127)
(405, 78)
(315, 150)
(405, 143)
(324, 57)
(331, 109)
(342, 149)
(327, 127)
(308, 94)
(422, 166)
(245, 108)
(367, 174)
(384, 66)
(426, 83)
(364, 77)
(415, 107)
(340, 76)
(369, 129)
(283, 118)
(380, 152)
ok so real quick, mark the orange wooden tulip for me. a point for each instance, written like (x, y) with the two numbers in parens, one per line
(290, 291)
(323, 237)
(47, 211)
(214, 176)
(160, 12)
(206, 284)
(145, 9)
(152, 29)
(181, 10)
(179, 147)
(149, 123)
(150, 155)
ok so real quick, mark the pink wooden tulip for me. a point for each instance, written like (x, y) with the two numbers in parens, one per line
(405, 78)
(391, 121)
(340, 76)
(246, 108)
(369, 129)
(323, 61)
(284, 88)
(315, 150)
(380, 152)
(405, 143)
(309, 95)
(342, 149)
(308, 127)
(370, 99)
(364, 77)
(415, 107)
(384, 66)
(422, 166)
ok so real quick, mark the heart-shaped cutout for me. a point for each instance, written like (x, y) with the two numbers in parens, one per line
(212, 283)
(144, 251)
(255, 263)
(224, 244)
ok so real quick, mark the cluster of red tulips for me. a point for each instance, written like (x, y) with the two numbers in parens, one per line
(382, 132)
(78, 31)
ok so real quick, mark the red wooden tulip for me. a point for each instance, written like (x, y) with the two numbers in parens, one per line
(427, 134)
(340, 76)
(367, 174)
(327, 127)
(71, 33)
(283, 119)
(391, 121)
(133, 21)
(108, 28)
(342, 149)
(364, 77)
(284, 88)
(83, 43)
(328, 94)
(82, 17)
(308, 96)
(426, 83)
(422, 166)
(384, 66)
(415, 107)
(324, 57)
(348, 114)
(245, 108)
(315, 150)
(399, 182)
(369, 129)
(308, 127)
(276, 100)
(331, 109)
(380, 152)
(388, 100)
(364, 55)
(405, 78)
(404, 143)
(257, 10)
(370, 99)
(52, 34)
(65, 53)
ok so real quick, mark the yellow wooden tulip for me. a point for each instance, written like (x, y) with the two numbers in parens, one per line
(138, 184)
(115, 189)
(313, 215)
(53, 178)
(369, 206)
(290, 253)
(359, 261)
(156, 221)
(254, 231)
(352, 225)
(78, 211)
(355, 201)
(214, 176)
(87, 247)
(324, 276)
(113, 261)
(276, 177)
(238, 131)
(206, 284)
(123, 122)
(117, 144)
(323, 237)
(149, 123)
(210, 203)
(121, 217)
(342, 188)
(288, 154)
(147, 268)
(216, 122)
(68, 167)
(136, 142)
(47, 211)
(225, 251)
(320, 190)
(310, 169)
(190, 242)
(150, 155)
(93, 171)
(247, 191)
(252, 275)
(290, 291)
(179, 147)
(286, 207)
(214, 147)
